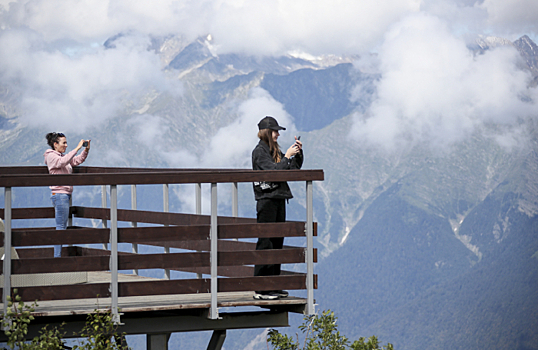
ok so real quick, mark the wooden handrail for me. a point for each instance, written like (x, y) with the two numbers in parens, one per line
(151, 177)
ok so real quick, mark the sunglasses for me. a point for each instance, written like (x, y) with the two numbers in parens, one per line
(59, 134)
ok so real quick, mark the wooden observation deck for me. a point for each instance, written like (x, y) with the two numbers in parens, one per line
(208, 246)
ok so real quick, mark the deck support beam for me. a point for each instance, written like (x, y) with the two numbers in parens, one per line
(217, 340)
(154, 324)
(157, 341)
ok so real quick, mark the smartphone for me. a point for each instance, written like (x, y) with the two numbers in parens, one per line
(85, 144)
(298, 138)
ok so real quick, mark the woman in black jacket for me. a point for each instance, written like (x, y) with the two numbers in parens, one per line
(271, 196)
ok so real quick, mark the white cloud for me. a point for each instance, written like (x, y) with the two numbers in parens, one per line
(315, 26)
(69, 93)
(432, 89)
(231, 147)
(512, 16)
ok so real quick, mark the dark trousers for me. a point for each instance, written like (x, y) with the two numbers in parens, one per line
(270, 210)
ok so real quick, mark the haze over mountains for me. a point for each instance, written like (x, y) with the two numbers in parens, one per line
(428, 239)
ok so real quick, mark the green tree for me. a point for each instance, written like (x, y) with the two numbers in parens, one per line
(99, 332)
(321, 333)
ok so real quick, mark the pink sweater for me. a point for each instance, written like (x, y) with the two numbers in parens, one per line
(59, 163)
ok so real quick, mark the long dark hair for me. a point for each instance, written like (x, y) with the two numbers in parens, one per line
(266, 135)
(52, 138)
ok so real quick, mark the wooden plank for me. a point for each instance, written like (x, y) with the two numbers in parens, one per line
(25, 238)
(6, 170)
(161, 233)
(33, 237)
(162, 287)
(224, 271)
(227, 271)
(116, 170)
(235, 271)
(262, 257)
(239, 284)
(199, 285)
(76, 291)
(101, 290)
(30, 213)
(205, 245)
(157, 261)
(30, 253)
(53, 265)
(152, 217)
(163, 261)
(223, 245)
(161, 177)
(277, 229)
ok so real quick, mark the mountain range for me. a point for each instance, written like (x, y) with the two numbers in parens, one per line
(424, 249)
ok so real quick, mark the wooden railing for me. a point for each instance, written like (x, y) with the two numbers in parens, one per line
(212, 240)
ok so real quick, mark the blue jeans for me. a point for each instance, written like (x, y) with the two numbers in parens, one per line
(60, 201)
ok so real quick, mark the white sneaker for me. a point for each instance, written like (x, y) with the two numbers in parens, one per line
(281, 293)
(268, 296)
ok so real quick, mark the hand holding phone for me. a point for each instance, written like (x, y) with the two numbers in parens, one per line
(297, 143)
(85, 144)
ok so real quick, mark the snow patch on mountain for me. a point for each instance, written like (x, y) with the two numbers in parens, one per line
(490, 42)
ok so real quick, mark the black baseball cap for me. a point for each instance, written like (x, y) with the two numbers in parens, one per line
(269, 123)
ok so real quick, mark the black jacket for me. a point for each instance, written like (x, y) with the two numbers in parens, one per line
(262, 160)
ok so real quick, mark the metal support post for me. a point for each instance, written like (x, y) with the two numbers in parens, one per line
(214, 312)
(166, 209)
(157, 341)
(310, 307)
(7, 248)
(235, 203)
(114, 252)
(103, 205)
(134, 246)
(70, 217)
(198, 199)
(198, 208)
(217, 339)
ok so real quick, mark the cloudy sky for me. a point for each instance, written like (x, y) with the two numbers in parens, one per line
(431, 87)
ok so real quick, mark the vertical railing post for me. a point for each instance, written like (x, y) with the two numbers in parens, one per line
(214, 313)
(114, 252)
(166, 209)
(310, 308)
(198, 199)
(103, 205)
(235, 203)
(134, 246)
(70, 217)
(198, 203)
(7, 247)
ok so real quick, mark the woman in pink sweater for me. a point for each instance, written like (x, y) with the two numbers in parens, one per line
(60, 163)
